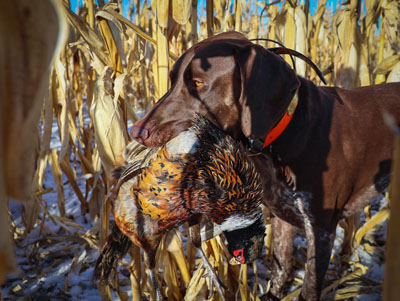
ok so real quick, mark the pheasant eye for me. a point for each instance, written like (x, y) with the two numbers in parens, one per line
(239, 255)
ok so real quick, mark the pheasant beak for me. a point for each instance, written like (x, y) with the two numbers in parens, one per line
(239, 256)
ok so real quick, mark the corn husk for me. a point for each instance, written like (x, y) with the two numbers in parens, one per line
(27, 50)
(111, 136)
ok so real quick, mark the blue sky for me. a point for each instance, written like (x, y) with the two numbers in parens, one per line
(313, 4)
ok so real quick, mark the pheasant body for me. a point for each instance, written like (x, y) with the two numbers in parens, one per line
(200, 172)
(214, 178)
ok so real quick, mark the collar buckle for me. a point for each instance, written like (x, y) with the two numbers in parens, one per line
(255, 146)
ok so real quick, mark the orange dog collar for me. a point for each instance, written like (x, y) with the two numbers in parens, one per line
(283, 123)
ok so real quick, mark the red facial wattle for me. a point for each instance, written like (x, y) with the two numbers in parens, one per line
(239, 255)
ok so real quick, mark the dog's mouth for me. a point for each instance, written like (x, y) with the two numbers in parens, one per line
(156, 136)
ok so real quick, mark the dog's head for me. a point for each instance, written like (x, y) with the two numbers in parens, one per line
(241, 87)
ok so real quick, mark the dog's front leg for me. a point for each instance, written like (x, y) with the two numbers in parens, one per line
(320, 243)
(283, 250)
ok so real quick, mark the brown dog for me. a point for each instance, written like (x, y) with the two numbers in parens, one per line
(336, 148)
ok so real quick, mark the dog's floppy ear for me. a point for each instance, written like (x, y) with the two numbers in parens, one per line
(268, 84)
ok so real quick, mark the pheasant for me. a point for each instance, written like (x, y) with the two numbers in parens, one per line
(200, 172)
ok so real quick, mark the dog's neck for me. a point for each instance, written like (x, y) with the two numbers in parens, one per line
(281, 126)
(257, 145)
(291, 143)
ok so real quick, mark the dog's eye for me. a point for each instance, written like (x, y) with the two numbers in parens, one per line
(197, 83)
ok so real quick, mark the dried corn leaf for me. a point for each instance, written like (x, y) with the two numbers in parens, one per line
(387, 64)
(354, 291)
(209, 29)
(255, 20)
(117, 29)
(48, 117)
(48, 190)
(318, 19)
(162, 13)
(197, 288)
(219, 260)
(115, 57)
(90, 36)
(365, 76)
(268, 240)
(375, 220)
(255, 286)
(359, 271)
(69, 173)
(391, 11)
(54, 218)
(350, 225)
(174, 245)
(373, 12)
(73, 132)
(238, 15)
(301, 38)
(90, 15)
(62, 102)
(140, 32)
(135, 272)
(57, 175)
(290, 31)
(347, 58)
(104, 209)
(104, 291)
(31, 209)
(394, 75)
(380, 77)
(243, 288)
(162, 62)
(170, 275)
(215, 250)
(181, 10)
(106, 13)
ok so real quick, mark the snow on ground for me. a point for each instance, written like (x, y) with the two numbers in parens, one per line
(58, 265)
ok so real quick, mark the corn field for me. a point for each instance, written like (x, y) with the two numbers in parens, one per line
(110, 65)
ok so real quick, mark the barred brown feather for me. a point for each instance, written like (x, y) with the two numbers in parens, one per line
(216, 179)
